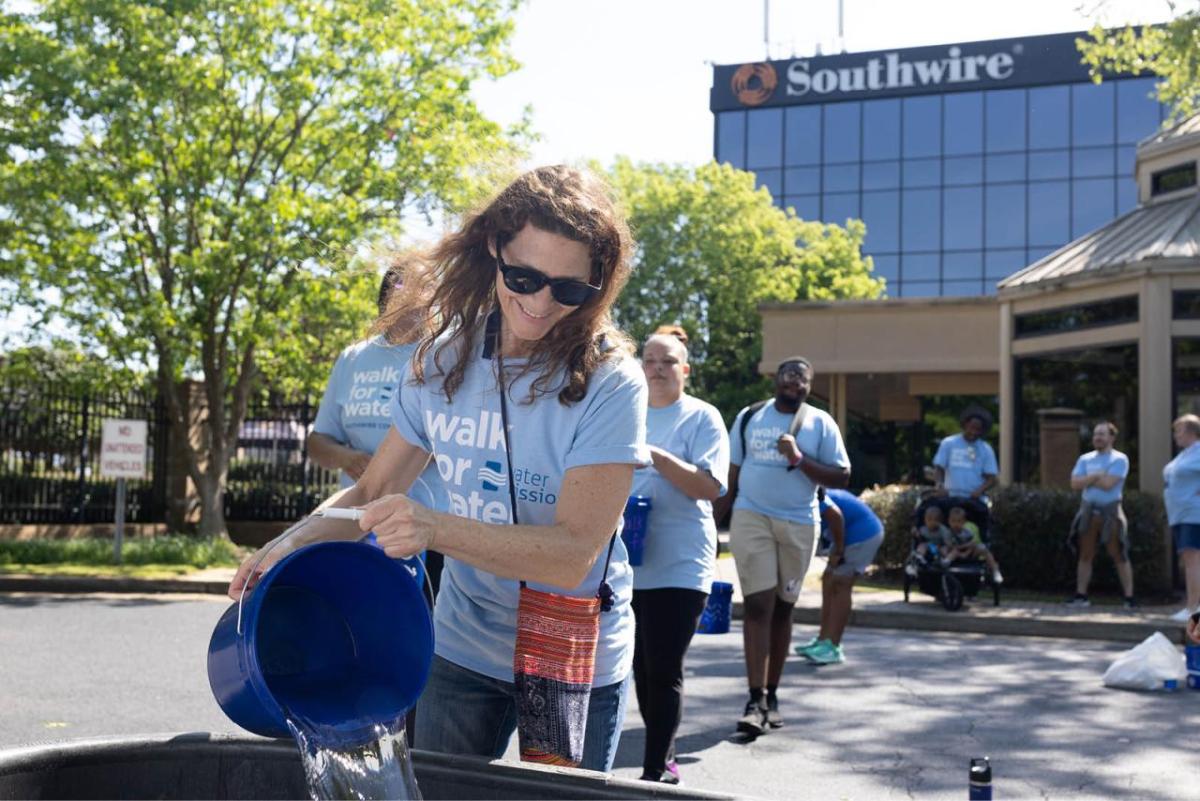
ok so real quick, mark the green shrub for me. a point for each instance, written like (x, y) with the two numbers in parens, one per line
(1028, 536)
(167, 550)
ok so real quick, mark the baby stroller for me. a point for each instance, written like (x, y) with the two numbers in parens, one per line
(961, 579)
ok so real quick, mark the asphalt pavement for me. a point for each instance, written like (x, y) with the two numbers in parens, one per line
(900, 720)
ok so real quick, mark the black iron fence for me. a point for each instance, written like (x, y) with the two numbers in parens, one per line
(50, 456)
(50, 459)
(271, 476)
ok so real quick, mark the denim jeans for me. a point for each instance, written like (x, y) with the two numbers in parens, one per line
(464, 712)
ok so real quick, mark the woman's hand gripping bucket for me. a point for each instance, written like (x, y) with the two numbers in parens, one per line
(336, 635)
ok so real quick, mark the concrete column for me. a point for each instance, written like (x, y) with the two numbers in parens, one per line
(1154, 382)
(1008, 400)
(838, 402)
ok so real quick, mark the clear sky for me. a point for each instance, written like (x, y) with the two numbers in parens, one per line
(632, 77)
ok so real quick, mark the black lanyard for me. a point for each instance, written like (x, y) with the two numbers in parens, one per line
(491, 347)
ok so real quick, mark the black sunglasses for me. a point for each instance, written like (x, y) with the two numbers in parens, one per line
(526, 281)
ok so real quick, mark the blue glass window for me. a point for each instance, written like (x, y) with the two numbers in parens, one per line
(881, 213)
(922, 126)
(1006, 167)
(962, 218)
(963, 266)
(1138, 112)
(921, 218)
(841, 178)
(1005, 216)
(920, 267)
(964, 171)
(918, 289)
(887, 267)
(1049, 213)
(962, 124)
(962, 288)
(1094, 204)
(1126, 161)
(881, 129)
(1050, 117)
(1050, 164)
(1092, 114)
(840, 207)
(1126, 194)
(881, 174)
(764, 136)
(808, 207)
(1091, 162)
(922, 172)
(803, 135)
(772, 180)
(842, 126)
(1005, 120)
(802, 180)
(999, 264)
(1037, 254)
(731, 138)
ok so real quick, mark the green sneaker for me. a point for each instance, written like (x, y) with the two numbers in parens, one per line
(811, 647)
(826, 653)
(800, 649)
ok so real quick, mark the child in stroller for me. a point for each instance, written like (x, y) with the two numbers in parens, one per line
(951, 569)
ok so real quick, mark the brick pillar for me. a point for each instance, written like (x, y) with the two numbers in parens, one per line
(1058, 445)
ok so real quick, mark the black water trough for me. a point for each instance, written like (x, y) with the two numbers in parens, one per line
(212, 766)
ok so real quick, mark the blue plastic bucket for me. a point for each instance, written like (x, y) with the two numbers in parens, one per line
(1192, 654)
(637, 515)
(337, 634)
(718, 610)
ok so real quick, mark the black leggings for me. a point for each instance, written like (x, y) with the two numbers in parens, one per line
(666, 620)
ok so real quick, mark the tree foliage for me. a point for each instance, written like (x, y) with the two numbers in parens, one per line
(1171, 52)
(710, 248)
(175, 174)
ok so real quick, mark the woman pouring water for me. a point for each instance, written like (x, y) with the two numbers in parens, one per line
(527, 398)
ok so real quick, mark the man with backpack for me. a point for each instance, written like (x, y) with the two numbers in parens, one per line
(781, 450)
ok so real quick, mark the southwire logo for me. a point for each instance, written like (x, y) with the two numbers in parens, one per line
(490, 476)
(753, 84)
(891, 72)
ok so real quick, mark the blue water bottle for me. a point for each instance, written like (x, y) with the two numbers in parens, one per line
(981, 779)
(1192, 652)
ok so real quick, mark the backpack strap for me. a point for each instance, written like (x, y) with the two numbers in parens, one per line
(751, 410)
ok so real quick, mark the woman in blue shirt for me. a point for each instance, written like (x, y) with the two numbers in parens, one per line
(690, 449)
(1181, 495)
(523, 295)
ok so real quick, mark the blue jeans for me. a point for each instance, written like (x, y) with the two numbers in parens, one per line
(1187, 535)
(464, 712)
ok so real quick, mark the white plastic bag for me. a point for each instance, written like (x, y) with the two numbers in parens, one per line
(1147, 665)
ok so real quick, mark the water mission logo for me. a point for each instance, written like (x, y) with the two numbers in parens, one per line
(492, 477)
(753, 84)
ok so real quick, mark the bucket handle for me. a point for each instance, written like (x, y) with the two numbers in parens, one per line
(334, 513)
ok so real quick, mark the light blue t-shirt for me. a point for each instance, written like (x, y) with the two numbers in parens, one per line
(681, 537)
(765, 485)
(1182, 492)
(1114, 463)
(476, 612)
(965, 463)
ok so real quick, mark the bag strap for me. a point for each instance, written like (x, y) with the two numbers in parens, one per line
(798, 419)
(751, 410)
(492, 346)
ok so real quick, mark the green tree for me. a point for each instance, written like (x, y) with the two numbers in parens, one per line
(1171, 51)
(176, 175)
(66, 367)
(710, 248)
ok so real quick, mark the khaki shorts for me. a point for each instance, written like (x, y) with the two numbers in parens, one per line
(770, 553)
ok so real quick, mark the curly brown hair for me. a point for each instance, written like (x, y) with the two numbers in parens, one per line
(572, 203)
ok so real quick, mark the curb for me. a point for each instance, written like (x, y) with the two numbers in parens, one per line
(102, 584)
(956, 622)
(917, 619)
